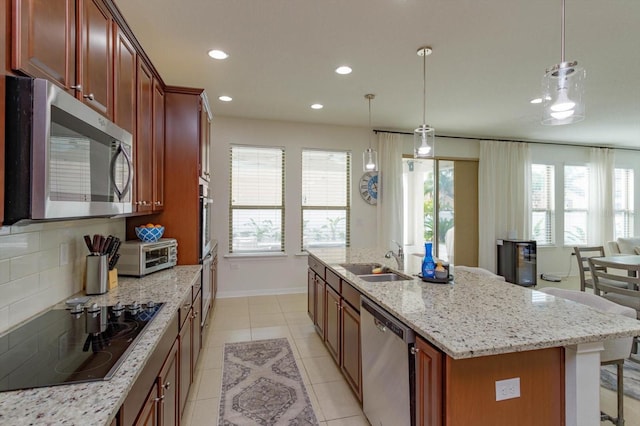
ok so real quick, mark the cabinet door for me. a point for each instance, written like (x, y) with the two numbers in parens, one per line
(44, 40)
(332, 330)
(124, 113)
(148, 416)
(320, 306)
(351, 353)
(168, 380)
(428, 384)
(311, 293)
(186, 345)
(95, 57)
(158, 146)
(197, 332)
(205, 140)
(214, 281)
(144, 141)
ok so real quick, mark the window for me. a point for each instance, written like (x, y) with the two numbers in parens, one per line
(542, 204)
(576, 204)
(256, 205)
(623, 203)
(325, 198)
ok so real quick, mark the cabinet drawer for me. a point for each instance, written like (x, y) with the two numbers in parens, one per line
(316, 266)
(185, 307)
(351, 295)
(333, 280)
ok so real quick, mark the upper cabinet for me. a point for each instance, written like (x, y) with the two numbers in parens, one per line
(44, 40)
(124, 70)
(205, 138)
(46, 43)
(158, 146)
(144, 140)
(95, 57)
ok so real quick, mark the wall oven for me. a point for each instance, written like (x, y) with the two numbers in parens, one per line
(64, 160)
(206, 258)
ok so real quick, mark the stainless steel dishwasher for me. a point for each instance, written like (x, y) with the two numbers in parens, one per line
(388, 370)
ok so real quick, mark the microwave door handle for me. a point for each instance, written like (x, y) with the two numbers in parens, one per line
(127, 186)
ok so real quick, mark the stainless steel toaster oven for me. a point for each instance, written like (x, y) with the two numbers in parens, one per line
(138, 258)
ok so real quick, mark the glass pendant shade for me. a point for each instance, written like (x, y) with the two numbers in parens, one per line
(424, 139)
(563, 94)
(369, 160)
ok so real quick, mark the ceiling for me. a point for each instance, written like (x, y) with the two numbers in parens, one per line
(488, 60)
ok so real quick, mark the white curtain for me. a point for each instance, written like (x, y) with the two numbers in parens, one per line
(389, 210)
(601, 200)
(504, 184)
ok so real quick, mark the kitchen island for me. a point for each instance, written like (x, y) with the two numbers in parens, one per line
(98, 402)
(479, 316)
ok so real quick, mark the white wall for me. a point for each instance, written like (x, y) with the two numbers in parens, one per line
(287, 273)
(43, 264)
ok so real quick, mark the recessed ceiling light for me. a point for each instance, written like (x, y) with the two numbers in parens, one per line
(218, 54)
(225, 98)
(536, 101)
(317, 106)
(344, 70)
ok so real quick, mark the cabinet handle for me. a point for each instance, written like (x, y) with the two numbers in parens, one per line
(77, 87)
(89, 96)
(166, 385)
(159, 399)
(158, 203)
(414, 351)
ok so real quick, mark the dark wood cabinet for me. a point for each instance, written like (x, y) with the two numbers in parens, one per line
(168, 381)
(158, 147)
(124, 75)
(149, 414)
(429, 391)
(186, 346)
(320, 306)
(144, 139)
(351, 354)
(332, 330)
(311, 294)
(197, 332)
(95, 57)
(44, 40)
(205, 140)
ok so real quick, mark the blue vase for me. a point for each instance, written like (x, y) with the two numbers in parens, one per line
(428, 265)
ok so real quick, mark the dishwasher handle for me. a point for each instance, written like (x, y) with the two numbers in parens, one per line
(384, 320)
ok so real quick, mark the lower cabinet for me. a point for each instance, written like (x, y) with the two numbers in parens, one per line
(168, 381)
(428, 384)
(186, 347)
(311, 295)
(332, 331)
(149, 414)
(320, 305)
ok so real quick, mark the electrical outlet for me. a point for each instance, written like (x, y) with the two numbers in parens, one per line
(64, 254)
(508, 389)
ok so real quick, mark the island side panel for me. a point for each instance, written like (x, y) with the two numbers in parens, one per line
(471, 389)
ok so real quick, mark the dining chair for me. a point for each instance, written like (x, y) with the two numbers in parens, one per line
(621, 289)
(615, 351)
(583, 254)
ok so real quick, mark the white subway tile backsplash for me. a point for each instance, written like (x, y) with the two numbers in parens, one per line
(19, 244)
(5, 271)
(31, 277)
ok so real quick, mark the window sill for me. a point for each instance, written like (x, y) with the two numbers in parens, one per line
(253, 255)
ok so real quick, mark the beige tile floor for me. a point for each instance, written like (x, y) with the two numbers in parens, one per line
(265, 317)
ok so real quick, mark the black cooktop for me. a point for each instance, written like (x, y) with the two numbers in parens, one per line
(63, 346)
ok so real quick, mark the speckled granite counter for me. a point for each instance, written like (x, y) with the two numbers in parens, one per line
(476, 315)
(97, 403)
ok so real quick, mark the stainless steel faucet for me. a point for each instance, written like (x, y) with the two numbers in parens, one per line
(399, 257)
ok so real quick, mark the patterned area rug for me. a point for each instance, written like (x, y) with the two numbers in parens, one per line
(631, 378)
(261, 385)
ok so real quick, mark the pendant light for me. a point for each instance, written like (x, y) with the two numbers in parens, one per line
(424, 136)
(369, 156)
(563, 89)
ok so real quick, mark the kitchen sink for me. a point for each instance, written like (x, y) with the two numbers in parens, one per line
(391, 276)
(360, 268)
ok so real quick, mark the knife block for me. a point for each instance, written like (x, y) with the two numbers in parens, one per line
(113, 278)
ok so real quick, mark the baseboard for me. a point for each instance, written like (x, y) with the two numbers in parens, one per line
(262, 292)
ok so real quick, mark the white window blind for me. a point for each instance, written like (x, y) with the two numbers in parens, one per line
(256, 205)
(576, 205)
(623, 203)
(326, 198)
(542, 203)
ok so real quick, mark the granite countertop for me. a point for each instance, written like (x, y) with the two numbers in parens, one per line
(98, 402)
(477, 315)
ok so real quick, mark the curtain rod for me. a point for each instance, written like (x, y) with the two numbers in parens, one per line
(512, 140)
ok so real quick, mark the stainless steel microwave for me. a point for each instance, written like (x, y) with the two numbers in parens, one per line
(139, 259)
(63, 159)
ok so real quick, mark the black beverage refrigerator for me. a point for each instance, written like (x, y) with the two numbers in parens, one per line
(517, 261)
